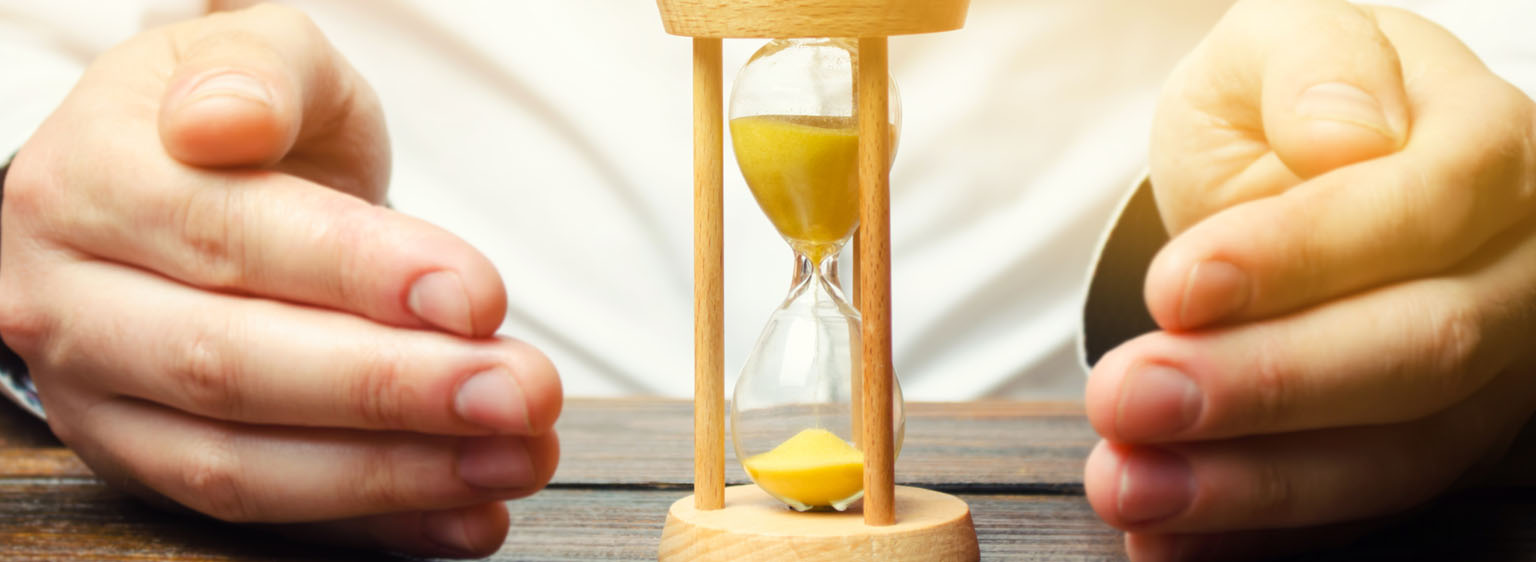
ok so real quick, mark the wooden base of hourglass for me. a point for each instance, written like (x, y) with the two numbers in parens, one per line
(753, 526)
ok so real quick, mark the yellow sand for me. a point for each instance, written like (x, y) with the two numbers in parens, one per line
(815, 468)
(804, 172)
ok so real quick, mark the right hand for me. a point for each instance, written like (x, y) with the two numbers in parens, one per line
(217, 312)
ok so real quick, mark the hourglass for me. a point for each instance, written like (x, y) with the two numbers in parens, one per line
(817, 415)
(793, 415)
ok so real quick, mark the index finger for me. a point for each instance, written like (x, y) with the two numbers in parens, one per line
(278, 236)
(263, 362)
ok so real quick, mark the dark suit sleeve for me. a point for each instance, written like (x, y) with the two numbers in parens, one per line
(1114, 310)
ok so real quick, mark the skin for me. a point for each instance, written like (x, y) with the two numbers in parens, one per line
(1344, 301)
(219, 314)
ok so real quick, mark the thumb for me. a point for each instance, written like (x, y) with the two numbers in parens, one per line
(1277, 93)
(1336, 96)
(255, 86)
(228, 115)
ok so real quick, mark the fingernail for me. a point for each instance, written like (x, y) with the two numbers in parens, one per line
(495, 462)
(233, 84)
(446, 528)
(1214, 290)
(1337, 101)
(1154, 485)
(439, 299)
(493, 399)
(1156, 401)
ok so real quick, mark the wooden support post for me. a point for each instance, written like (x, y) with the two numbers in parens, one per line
(875, 278)
(708, 280)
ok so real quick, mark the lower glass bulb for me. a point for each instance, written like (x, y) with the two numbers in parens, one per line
(795, 414)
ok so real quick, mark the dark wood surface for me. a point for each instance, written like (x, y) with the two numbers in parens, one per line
(624, 461)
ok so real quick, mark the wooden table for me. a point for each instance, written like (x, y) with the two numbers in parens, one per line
(1019, 466)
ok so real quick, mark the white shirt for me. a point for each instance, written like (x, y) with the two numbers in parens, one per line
(556, 138)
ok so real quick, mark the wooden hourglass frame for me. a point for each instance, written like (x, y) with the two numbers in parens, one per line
(742, 522)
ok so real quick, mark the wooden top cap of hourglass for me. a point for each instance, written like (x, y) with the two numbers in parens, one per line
(810, 18)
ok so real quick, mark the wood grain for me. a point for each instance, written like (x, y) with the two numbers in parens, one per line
(810, 18)
(625, 462)
(708, 276)
(873, 105)
(55, 520)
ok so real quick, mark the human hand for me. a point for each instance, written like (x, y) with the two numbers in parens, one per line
(216, 312)
(1345, 298)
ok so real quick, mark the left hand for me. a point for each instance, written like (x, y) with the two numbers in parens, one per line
(1345, 303)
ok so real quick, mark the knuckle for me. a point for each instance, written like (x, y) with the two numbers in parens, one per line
(356, 234)
(211, 223)
(379, 483)
(1273, 494)
(24, 328)
(1273, 399)
(379, 392)
(29, 189)
(212, 479)
(206, 372)
(1456, 335)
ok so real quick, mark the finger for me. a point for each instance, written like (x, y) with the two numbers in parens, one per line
(258, 361)
(279, 236)
(1297, 479)
(255, 86)
(1277, 92)
(272, 474)
(1390, 355)
(1286, 481)
(471, 532)
(1467, 174)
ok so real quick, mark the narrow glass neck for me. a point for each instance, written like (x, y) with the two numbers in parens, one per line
(816, 278)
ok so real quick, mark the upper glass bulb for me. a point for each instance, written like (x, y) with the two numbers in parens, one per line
(795, 414)
(796, 139)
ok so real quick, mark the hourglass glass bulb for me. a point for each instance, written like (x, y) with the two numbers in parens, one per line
(795, 412)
